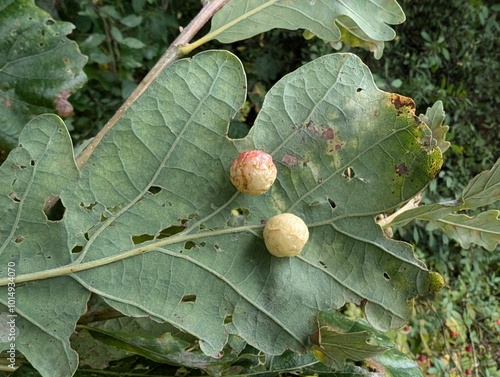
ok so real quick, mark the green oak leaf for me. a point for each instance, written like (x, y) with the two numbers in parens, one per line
(39, 67)
(482, 230)
(483, 189)
(338, 339)
(393, 363)
(434, 118)
(360, 23)
(45, 311)
(149, 223)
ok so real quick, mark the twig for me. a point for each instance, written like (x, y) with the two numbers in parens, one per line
(412, 203)
(171, 55)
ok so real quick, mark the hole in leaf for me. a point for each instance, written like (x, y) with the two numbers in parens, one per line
(237, 130)
(217, 248)
(76, 249)
(88, 207)
(49, 22)
(349, 173)
(189, 245)
(13, 196)
(154, 189)
(359, 90)
(386, 276)
(238, 217)
(54, 208)
(332, 203)
(103, 218)
(19, 239)
(188, 298)
(170, 231)
(86, 235)
(228, 319)
(32, 162)
(323, 264)
(142, 238)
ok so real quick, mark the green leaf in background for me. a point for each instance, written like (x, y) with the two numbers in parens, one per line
(482, 230)
(338, 339)
(31, 240)
(393, 363)
(365, 23)
(162, 343)
(39, 67)
(483, 189)
(434, 118)
(149, 223)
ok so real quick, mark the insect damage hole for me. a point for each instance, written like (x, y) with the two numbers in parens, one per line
(349, 173)
(188, 298)
(154, 189)
(332, 203)
(386, 276)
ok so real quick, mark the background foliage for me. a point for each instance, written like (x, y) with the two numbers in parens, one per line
(446, 50)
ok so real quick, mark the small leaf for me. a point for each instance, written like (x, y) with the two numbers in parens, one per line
(131, 20)
(482, 230)
(484, 188)
(393, 363)
(339, 339)
(133, 43)
(434, 118)
(38, 65)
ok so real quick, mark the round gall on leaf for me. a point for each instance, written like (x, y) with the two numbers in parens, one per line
(253, 172)
(285, 235)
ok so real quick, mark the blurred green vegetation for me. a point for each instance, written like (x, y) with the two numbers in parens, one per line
(447, 50)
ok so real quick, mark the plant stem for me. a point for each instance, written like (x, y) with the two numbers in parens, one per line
(171, 55)
(412, 203)
(186, 49)
(78, 267)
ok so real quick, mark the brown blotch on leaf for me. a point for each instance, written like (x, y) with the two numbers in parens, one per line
(401, 169)
(401, 101)
(289, 160)
(328, 134)
(335, 145)
(63, 107)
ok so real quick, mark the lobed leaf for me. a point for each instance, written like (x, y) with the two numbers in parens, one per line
(364, 23)
(154, 226)
(45, 312)
(483, 189)
(39, 67)
(434, 118)
(339, 339)
(178, 204)
(482, 230)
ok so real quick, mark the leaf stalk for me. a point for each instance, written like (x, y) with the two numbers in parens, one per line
(77, 266)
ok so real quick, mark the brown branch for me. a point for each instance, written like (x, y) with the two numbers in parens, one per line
(171, 55)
